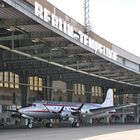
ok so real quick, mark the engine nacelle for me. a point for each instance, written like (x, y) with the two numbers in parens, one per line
(65, 115)
(26, 117)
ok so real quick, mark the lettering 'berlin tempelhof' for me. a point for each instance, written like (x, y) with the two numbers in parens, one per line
(68, 29)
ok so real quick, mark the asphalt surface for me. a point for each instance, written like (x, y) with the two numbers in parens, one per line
(105, 132)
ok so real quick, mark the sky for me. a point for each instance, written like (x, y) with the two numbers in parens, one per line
(117, 21)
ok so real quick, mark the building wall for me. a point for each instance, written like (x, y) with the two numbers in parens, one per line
(9, 96)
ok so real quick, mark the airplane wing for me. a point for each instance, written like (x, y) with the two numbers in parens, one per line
(121, 113)
(110, 108)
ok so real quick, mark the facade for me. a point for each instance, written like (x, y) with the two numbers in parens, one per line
(45, 55)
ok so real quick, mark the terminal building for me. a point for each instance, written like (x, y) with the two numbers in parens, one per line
(46, 55)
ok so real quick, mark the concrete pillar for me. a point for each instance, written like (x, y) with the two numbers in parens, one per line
(122, 118)
(108, 119)
(48, 91)
(104, 89)
(70, 93)
(136, 110)
(24, 89)
(121, 101)
(88, 93)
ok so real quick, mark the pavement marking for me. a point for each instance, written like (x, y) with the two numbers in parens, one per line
(125, 135)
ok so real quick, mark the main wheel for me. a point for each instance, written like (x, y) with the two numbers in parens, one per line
(30, 125)
(49, 125)
(76, 124)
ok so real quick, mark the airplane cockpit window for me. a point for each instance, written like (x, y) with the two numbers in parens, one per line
(34, 105)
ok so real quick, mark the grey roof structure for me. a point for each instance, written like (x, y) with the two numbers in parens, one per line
(30, 45)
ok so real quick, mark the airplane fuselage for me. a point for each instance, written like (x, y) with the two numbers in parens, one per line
(49, 110)
(66, 110)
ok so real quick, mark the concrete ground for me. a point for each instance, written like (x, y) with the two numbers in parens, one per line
(105, 132)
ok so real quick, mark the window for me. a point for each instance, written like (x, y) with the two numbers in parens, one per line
(40, 84)
(116, 96)
(96, 91)
(75, 88)
(79, 89)
(1, 79)
(11, 80)
(6, 79)
(16, 81)
(36, 83)
(83, 89)
(31, 83)
(100, 91)
(92, 90)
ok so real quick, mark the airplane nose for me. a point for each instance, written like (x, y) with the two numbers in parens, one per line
(21, 111)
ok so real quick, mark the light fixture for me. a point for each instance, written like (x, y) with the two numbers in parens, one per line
(11, 29)
(36, 40)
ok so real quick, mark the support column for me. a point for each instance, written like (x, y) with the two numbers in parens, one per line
(104, 89)
(136, 111)
(88, 93)
(48, 91)
(121, 101)
(24, 89)
(70, 93)
(108, 119)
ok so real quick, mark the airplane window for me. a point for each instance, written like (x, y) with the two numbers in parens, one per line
(34, 105)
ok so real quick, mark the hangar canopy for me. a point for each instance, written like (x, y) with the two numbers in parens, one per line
(30, 45)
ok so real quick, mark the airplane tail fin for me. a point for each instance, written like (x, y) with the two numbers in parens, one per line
(109, 99)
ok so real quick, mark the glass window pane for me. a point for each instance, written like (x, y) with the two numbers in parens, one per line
(93, 91)
(16, 81)
(79, 89)
(100, 91)
(83, 89)
(75, 88)
(36, 83)
(1, 79)
(6, 79)
(40, 84)
(11, 80)
(31, 83)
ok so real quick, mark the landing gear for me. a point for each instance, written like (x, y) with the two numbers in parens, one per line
(30, 124)
(76, 124)
(49, 124)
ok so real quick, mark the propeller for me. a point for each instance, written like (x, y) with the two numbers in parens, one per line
(77, 110)
(59, 112)
(15, 113)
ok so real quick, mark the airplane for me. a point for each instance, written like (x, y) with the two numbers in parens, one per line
(69, 110)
